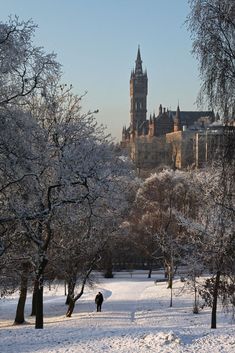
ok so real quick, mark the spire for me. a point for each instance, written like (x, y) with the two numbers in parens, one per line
(178, 112)
(177, 120)
(138, 63)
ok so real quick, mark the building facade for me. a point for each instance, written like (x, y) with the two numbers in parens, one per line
(166, 138)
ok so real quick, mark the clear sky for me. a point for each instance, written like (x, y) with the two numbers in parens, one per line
(96, 41)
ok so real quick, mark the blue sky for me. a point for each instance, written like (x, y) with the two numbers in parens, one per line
(96, 41)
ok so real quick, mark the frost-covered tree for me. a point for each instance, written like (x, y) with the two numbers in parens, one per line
(23, 66)
(53, 159)
(22, 151)
(90, 225)
(212, 27)
(65, 167)
(154, 217)
(212, 234)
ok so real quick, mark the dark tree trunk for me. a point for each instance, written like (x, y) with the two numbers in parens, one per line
(215, 297)
(71, 306)
(171, 300)
(170, 279)
(71, 287)
(33, 312)
(170, 275)
(39, 294)
(72, 300)
(170, 282)
(19, 318)
(165, 269)
(195, 308)
(39, 304)
(150, 272)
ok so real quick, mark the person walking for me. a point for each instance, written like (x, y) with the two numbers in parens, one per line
(99, 300)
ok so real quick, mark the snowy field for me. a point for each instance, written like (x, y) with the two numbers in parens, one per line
(135, 318)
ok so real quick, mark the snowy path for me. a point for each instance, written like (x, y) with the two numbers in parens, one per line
(136, 318)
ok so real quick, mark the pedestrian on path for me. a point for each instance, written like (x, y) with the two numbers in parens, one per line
(99, 300)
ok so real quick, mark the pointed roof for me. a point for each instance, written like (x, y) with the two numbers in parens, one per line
(177, 120)
(177, 116)
(138, 63)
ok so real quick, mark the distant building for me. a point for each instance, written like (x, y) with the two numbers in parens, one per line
(173, 138)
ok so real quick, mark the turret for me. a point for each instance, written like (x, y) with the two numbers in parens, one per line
(177, 120)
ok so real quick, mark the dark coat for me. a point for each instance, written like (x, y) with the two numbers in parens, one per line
(99, 298)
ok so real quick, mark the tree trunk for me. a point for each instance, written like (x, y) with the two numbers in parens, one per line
(165, 271)
(170, 282)
(215, 297)
(71, 287)
(195, 308)
(171, 300)
(150, 265)
(19, 318)
(72, 300)
(33, 312)
(170, 276)
(39, 293)
(70, 307)
(39, 304)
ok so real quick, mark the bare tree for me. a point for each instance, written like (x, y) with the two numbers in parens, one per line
(212, 235)
(23, 67)
(212, 27)
(158, 200)
(65, 165)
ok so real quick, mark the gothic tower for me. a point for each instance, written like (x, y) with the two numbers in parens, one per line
(138, 95)
(177, 120)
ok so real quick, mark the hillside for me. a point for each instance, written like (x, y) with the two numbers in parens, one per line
(135, 317)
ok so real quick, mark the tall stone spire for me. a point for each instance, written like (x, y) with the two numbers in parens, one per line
(138, 96)
(177, 120)
(138, 64)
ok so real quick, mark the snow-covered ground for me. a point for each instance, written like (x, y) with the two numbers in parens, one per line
(135, 317)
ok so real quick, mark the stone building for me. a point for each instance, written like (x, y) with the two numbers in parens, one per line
(165, 138)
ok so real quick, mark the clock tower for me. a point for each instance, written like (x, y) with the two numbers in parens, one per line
(138, 95)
